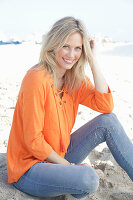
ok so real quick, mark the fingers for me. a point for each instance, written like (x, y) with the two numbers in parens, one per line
(91, 40)
(100, 173)
(92, 44)
(85, 164)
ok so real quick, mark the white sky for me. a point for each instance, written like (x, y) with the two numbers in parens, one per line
(112, 18)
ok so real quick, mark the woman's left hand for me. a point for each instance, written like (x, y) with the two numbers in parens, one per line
(92, 43)
(85, 164)
(92, 46)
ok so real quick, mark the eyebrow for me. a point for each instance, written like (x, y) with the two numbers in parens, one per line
(76, 46)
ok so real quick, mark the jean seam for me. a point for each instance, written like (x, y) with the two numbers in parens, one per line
(120, 152)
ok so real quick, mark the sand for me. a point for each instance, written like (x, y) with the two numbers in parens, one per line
(117, 68)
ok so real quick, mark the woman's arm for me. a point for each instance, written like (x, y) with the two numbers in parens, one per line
(99, 80)
(55, 158)
(98, 97)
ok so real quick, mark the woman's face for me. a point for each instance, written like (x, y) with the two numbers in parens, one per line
(70, 53)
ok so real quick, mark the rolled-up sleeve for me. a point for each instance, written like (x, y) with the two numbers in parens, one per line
(98, 101)
(33, 110)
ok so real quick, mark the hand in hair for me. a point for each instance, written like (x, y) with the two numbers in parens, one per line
(92, 45)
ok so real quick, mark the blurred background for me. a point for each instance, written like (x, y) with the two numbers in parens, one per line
(23, 22)
(29, 19)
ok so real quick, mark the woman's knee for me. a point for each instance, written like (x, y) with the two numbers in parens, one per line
(108, 119)
(90, 180)
(109, 115)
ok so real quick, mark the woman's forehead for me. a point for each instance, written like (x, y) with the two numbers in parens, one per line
(74, 38)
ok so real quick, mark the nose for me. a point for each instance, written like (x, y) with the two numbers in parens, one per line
(70, 53)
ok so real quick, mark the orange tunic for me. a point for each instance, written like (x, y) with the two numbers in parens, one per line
(43, 121)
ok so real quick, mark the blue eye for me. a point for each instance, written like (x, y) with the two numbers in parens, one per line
(65, 46)
(78, 48)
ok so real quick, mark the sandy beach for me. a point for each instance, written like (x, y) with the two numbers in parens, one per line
(116, 62)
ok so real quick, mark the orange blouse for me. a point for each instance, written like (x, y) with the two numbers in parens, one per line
(43, 121)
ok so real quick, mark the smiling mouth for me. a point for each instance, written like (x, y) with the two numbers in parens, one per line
(68, 61)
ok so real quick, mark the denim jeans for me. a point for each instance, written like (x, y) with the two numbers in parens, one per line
(51, 180)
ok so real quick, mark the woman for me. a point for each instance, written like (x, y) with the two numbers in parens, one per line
(43, 159)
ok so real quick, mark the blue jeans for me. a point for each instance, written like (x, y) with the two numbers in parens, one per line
(51, 180)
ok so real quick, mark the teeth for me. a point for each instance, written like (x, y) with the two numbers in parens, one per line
(69, 61)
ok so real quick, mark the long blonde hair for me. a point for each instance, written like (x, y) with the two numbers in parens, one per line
(55, 39)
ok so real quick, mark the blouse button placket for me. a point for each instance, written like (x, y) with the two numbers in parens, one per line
(60, 103)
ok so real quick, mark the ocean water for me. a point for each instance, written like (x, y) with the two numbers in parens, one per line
(121, 50)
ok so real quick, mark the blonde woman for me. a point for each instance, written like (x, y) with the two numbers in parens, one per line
(43, 157)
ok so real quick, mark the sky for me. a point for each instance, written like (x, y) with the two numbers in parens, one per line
(106, 18)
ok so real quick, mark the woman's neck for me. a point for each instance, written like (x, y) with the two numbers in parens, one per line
(60, 73)
(60, 83)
